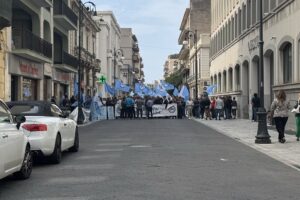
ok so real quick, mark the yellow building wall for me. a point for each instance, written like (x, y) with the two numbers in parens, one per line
(3, 43)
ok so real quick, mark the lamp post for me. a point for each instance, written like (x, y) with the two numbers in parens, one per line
(262, 136)
(80, 118)
(193, 35)
(116, 53)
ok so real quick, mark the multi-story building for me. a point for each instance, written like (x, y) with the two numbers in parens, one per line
(5, 21)
(90, 64)
(109, 51)
(130, 47)
(31, 49)
(235, 50)
(196, 20)
(171, 65)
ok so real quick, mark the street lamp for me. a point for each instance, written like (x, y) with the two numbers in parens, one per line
(117, 53)
(262, 136)
(193, 35)
(80, 118)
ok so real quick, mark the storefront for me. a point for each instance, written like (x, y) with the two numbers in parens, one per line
(26, 76)
(47, 81)
(62, 83)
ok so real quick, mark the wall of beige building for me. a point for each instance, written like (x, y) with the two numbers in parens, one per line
(235, 68)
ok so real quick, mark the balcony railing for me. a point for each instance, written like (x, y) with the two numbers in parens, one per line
(61, 8)
(25, 39)
(66, 59)
(5, 13)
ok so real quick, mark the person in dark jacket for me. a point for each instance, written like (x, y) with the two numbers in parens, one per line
(196, 108)
(255, 101)
(227, 107)
(297, 116)
(234, 107)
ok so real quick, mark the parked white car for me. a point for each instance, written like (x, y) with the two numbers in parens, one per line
(15, 154)
(49, 130)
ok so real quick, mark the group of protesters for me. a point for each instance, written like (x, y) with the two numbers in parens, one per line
(207, 107)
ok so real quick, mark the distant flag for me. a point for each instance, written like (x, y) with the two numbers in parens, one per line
(166, 85)
(138, 88)
(211, 89)
(109, 89)
(122, 87)
(160, 91)
(184, 93)
(175, 92)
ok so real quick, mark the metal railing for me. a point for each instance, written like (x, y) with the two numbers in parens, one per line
(61, 8)
(25, 39)
(65, 58)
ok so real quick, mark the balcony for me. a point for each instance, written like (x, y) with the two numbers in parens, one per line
(66, 61)
(5, 13)
(136, 48)
(30, 46)
(42, 3)
(135, 58)
(64, 16)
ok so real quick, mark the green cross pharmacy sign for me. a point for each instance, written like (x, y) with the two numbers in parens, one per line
(102, 79)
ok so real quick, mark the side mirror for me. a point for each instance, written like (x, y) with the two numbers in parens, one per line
(19, 120)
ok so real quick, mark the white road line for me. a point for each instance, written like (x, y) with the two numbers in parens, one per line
(93, 157)
(87, 167)
(76, 180)
(114, 144)
(108, 150)
(115, 140)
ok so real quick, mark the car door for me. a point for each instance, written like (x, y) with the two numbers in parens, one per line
(64, 126)
(11, 141)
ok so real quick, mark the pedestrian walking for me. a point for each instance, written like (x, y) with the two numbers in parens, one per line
(196, 108)
(255, 101)
(206, 103)
(149, 106)
(297, 116)
(219, 108)
(213, 107)
(280, 108)
(189, 108)
(139, 107)
(234, 107)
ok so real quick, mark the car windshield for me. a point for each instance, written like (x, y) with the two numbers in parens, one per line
(24, 109)
(4, 115)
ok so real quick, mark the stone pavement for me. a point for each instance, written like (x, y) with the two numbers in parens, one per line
(245, 131)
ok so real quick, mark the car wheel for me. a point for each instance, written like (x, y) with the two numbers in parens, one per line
(75, 147)
(55, 158)
(26, 168)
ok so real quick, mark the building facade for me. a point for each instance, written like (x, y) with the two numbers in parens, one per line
(195, 24)
(109, 51)
(235, 51)
(171, 65)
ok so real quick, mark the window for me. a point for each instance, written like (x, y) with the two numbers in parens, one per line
(4, 115)
(272, 4)
(254, 9)
(287, 63)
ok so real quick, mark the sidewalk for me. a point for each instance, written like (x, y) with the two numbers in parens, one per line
(245, 131)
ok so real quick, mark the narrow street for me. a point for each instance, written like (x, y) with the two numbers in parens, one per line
(156, 159)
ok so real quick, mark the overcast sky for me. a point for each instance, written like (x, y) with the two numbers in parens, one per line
(156, 25)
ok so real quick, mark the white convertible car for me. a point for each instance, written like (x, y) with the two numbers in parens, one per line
(49, 130)
(15, 154)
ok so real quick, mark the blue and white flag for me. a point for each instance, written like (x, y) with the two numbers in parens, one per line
(175, 92)
(184, 93)
(139, 87)
(122, 87)
(160, 91)
(167, 86)
(110, 90)
(211, 89)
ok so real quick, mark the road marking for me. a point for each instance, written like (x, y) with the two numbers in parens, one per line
(140, 146)
(108, 150)
(224, 159)
(114, 144)
(64, 198)
(91, 157)
(115, 140)
(77, 180)
(87, 167)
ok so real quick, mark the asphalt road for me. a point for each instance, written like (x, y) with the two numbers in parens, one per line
(157, 160)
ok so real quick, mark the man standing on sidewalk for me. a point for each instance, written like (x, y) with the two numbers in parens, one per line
(219, 107)
(255, 105)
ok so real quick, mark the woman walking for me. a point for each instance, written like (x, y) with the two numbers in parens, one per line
(280, 108)
(297, 116)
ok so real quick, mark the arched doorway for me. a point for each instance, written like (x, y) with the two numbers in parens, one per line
(245, 87)
(224, 81)
(254, 74)
(230, 80)
(268, 77)
(237, 78)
